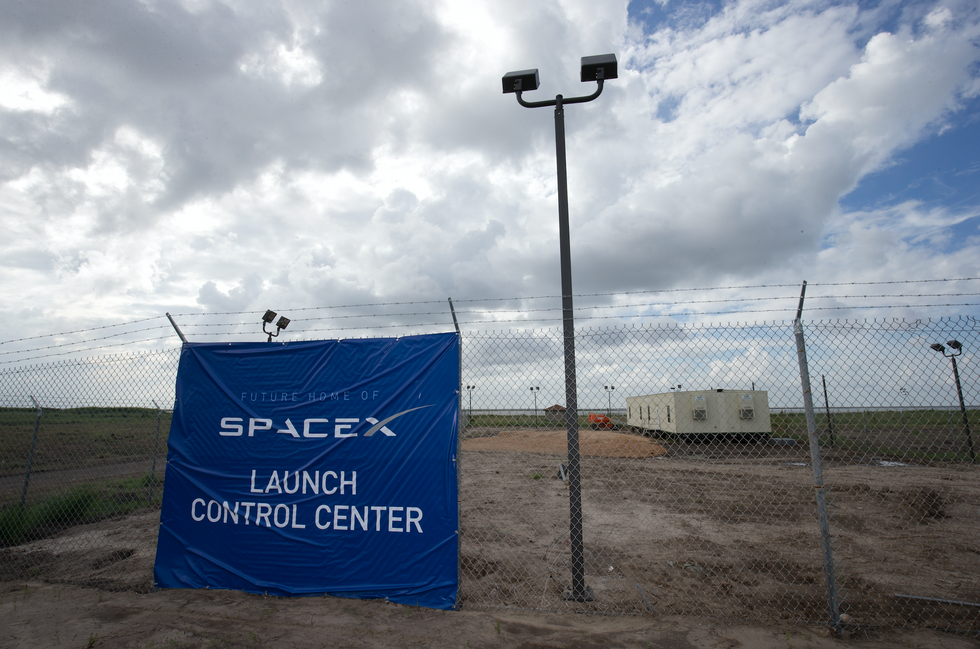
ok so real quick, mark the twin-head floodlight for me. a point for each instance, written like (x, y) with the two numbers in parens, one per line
(268, 318)
(957, 348)
(955, 345)
(594, 68)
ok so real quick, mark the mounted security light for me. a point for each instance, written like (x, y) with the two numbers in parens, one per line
(268, 318)
(603, 66)
(938, 347)
(954, 344)
(521, 81)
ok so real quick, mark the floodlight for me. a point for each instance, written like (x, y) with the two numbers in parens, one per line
(520, 81)
(957, 348)
(269, 316)
(600, 67)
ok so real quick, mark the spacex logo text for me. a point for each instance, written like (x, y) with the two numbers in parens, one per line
(315, 427)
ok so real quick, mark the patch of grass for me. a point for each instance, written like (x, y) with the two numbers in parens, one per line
(76, 506)
(90, 436)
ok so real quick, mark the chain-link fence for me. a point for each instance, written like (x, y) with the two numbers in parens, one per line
(697, 482)
(83, 449)
(699, 489)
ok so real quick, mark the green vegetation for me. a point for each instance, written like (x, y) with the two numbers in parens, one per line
(852, 420)
(911, 435)
(76, 437)
(76, 506)
(906, 435)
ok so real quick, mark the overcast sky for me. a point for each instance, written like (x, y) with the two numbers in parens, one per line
(231, 156)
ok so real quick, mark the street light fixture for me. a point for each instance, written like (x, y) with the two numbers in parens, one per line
(268, 318)
(598, 69)
(535, 391)
(609, 391)
(957, 348)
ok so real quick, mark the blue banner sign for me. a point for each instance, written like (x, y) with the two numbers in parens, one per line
(309, 468)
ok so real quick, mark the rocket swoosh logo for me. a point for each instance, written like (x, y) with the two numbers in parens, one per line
(382, 425)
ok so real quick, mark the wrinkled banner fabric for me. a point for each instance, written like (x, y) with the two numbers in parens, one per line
(307, 468)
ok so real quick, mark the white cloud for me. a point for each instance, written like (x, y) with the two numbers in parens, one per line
(218, 157)
(24, 90)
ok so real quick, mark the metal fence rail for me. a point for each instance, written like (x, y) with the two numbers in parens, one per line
(698, 480)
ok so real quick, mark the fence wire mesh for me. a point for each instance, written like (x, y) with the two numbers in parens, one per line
(83, 447)
(698, 490)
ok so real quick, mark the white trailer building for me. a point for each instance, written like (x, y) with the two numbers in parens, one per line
(702, 414)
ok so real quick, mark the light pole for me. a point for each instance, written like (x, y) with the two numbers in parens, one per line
(535, 391)
(957, 348)
(594, 68)
(469, 389)
(903, 393)
(609, 391)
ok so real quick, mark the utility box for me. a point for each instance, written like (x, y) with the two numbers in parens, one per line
(703, 414)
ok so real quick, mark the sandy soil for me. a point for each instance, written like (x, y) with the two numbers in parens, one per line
(727, 530)
(598, 443)
(682, 544)
(50, 615)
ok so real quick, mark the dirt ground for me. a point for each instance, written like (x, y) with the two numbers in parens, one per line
(680, 550)
(722, 529)
(597, 443)
(50, 615)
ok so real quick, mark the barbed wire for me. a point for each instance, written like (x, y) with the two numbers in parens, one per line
(446, 324)
(122, 333)
(610, 306)
(86, 349)
(581, 295)
(77, 331)
(680, 308)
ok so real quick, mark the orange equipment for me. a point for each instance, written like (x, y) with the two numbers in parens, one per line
(597, 422)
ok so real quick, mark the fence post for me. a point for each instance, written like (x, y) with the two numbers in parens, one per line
(811, 427)
(826, 405)
(459, 442)
(30, 457)
(459, 391)
(864, 428)
(156, 442)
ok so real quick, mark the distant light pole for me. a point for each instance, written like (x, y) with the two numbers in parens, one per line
(609, 391)
(957, 348)
(594, 68)
(903, 393)
(469, 389)
(535, 391)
